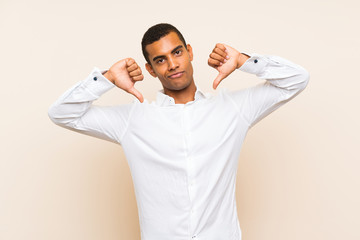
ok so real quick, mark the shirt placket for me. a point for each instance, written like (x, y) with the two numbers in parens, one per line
(190, 168)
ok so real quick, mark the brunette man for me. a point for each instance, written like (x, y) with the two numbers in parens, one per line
(183, 148)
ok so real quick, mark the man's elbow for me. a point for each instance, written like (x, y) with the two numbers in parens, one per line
(53, 114)
(305, 76)
(301, 80)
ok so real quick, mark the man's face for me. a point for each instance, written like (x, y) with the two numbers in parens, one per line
(171, 62)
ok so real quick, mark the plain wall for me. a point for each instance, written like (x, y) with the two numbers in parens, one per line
(298, 174)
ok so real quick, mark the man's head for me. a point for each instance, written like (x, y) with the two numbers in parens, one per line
(168, 57)
(156, 32)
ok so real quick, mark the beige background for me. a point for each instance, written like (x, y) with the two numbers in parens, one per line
(298, 175)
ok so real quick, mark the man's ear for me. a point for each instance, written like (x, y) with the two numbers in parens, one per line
(150, 70)
(189, 49)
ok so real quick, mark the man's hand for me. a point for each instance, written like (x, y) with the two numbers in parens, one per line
(225, 60)
(124, 74)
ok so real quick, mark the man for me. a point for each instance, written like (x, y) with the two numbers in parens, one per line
(183, 148)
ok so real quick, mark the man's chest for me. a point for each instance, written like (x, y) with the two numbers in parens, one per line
(188, 129)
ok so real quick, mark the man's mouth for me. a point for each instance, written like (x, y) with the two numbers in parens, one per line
(176, 75)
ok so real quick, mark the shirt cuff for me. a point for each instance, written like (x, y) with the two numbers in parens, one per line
(255, 64)
(96, 83)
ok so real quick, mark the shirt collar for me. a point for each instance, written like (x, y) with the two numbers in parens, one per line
(165, 100)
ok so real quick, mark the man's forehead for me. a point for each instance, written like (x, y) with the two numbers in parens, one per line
(164, 45)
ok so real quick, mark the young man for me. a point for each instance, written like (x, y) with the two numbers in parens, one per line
(183, 148)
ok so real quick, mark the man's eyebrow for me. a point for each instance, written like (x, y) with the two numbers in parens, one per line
(174, 50)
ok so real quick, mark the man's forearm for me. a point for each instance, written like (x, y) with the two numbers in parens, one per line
(75, 102)
(284, 80)
(74, 109)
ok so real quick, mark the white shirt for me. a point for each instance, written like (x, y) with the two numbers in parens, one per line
(183, 157)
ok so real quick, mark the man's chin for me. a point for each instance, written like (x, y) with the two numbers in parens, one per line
(178, 84)
(180, 87)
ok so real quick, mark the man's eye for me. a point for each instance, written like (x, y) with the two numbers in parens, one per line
(160, 61)
(178, 52)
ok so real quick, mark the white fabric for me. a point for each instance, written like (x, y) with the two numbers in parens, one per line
(183, 157)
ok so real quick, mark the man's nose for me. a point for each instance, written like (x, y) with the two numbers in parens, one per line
(173, 64)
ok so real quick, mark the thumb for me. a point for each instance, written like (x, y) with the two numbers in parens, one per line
(218, 79)
(137, 94)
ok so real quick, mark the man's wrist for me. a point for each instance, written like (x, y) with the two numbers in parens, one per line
(107, 75)
(243, 57)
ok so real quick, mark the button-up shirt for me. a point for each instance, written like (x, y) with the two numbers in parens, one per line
(183, 158)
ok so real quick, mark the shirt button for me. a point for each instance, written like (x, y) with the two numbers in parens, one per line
(193, 236)
(95, 78)
(255, 61)
(192, 211)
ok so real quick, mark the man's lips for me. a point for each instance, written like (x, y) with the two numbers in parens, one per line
(176, 75)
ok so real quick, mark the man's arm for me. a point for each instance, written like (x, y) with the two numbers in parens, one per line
(74, 109)
(284, 80)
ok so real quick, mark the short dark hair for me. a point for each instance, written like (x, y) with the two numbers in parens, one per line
(156, 32)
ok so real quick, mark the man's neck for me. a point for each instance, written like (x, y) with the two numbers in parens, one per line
(182, 96)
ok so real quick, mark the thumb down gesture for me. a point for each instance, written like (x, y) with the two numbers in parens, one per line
(225, 60)
(124, 74)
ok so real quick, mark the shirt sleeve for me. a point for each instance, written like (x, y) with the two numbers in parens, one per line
(74, 110)
(284, 80)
